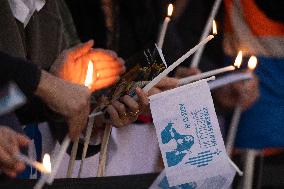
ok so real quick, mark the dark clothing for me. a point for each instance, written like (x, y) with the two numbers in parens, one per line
(24, 73)
(136, 23)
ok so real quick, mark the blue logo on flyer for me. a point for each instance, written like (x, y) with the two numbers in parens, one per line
(164, 184)
(183, 144)
(203, 158)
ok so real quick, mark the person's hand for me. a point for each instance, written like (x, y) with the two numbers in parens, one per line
(182, 72)
(107, 68)
(72, 66)
(125, 111)
(242, 93)
(10, 143)
(70, 100)
(165, 84)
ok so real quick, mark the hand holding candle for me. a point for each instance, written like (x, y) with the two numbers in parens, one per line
(243, 93)
(247, 93)
(107, 68)
(10, 143)
(210, 73)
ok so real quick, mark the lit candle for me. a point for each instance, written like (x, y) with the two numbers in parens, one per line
(38, 166)
(47, 164)
(206, 31)
(89, 76)
(214, 28)
(189, 79)
(88, 83)
(57, 161)
(233, 128)
(165, 26)
(158, 78)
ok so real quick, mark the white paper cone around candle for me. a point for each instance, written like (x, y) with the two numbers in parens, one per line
(233, 128)
(37, 165)
(164, 27)
(206, 31)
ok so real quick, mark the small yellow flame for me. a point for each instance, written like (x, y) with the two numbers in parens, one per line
(252, 63)
(214, 29)
(239, 59)
(170, 9)
(46, 162)
(89, 75)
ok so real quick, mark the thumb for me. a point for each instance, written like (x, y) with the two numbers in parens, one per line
(81, 49)
(22, 140)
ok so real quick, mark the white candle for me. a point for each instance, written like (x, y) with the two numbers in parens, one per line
(157, 79)
(72, 158)
(164, 27)
(197, 56)
(39, 166)
(237, 114)
(57, 161)
(189, 79)
(87, 141)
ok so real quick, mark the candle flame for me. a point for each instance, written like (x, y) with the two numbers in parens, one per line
(252, 63)
(170, 9)
(239, 59)
(46, 162)
(89, 75)
(214, 27)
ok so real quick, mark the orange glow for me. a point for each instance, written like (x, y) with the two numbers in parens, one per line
(214, 29)
(89, 75)
(46, 162)
(252, 63)
(239, 59)
(170, 9)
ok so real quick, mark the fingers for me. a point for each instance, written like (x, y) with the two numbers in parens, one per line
(100, 65)
(167, 83)
(22, 140)
(131, 104)
(81, 49)
(143, 99)
(6, 160)
(120, 108)
(106, 73)
(154, 91)
(185, 72)
(100, 84)
(104, 55)
(116, 121)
